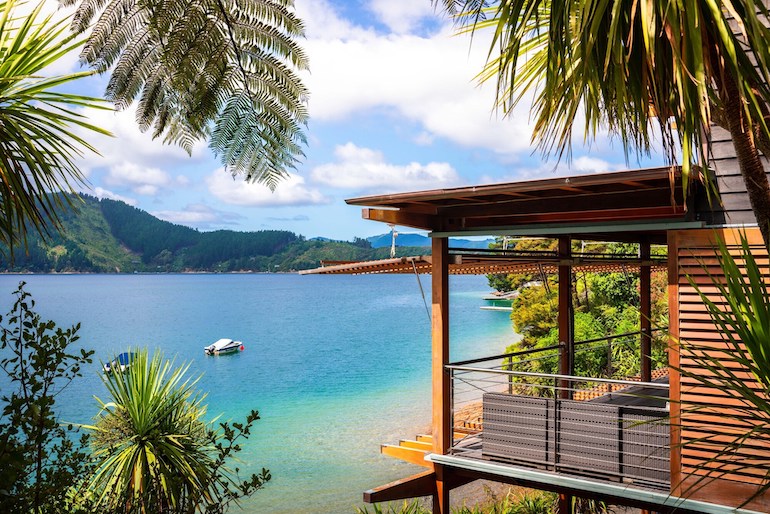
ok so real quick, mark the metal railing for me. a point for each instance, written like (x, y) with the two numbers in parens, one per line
(605, 427)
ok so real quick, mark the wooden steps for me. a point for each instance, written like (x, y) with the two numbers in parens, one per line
(411, 455)
(413, 450)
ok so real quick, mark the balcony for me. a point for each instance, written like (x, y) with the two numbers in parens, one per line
(609, 427)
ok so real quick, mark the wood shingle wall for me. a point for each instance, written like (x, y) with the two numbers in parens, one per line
(734, 208)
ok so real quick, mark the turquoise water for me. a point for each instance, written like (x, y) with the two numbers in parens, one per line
(336, 365)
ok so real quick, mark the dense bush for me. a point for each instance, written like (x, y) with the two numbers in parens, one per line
(521, 501)
(604, 304)
(41, 460)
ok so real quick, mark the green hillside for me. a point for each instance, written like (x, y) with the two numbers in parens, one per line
(108, 236)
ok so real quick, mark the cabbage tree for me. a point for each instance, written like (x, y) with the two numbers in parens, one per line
(154, 448)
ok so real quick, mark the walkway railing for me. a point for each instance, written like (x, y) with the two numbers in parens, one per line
(598, 426)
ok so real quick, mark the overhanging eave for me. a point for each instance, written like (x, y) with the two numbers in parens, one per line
(554, 229)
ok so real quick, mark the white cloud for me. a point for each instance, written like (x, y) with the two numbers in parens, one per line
(583, 165)
(141, 180)
(68, 62)
(236, 191)
(296, 217)
(586, 164)
(401, 15)
(364, 168)
(322, 21)
(428, 80)
(198, 215)
(130, 144)
(100, 193)
(424, 139)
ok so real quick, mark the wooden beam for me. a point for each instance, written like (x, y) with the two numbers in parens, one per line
(418, 207)
(406, 219)
(442, 421)
(427, 438)
(410, 455)
(567, 202)
(615, 215)
(417, 445)
(421, 484)
(645, 311)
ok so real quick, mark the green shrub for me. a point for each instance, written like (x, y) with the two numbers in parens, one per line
(41, 460)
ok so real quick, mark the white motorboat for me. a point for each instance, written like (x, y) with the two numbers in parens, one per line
(223, 346)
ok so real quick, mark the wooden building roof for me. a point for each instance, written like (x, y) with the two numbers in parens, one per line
(646, 200)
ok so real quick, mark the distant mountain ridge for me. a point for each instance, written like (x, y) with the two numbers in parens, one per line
(109, 236)
(410, 239)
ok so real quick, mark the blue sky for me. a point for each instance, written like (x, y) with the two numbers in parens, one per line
(394, 107)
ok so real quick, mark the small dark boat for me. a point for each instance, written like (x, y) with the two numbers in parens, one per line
(122, 362)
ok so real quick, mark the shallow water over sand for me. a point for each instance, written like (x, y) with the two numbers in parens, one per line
(336, 365)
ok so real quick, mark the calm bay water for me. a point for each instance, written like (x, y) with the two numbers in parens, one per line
(336, 365)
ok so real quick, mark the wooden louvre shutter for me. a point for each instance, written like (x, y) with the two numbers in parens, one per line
(710, 416)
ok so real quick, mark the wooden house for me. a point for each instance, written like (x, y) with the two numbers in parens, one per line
(626, 441)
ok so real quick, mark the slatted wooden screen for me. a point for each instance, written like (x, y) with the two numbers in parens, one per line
(720, 416)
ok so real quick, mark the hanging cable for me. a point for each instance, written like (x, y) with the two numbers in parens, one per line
(422, 291)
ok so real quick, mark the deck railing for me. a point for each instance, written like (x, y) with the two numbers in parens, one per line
(603, 427)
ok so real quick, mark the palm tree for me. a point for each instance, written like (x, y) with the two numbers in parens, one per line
(38, 146)
(219, 69)
(633, 67)
(155, 452)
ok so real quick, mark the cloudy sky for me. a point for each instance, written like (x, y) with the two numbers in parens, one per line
(394, 107)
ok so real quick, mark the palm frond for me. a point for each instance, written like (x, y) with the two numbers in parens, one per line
(38, 146)
(626, 67)
(224, 69)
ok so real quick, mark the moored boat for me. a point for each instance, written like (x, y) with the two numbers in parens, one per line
(223, 346)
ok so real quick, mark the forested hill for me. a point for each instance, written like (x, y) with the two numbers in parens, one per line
(109, 236)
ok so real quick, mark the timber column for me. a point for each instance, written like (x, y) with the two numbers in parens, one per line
(442, 430)
(565, 322)
(566, 340)
(645, 310)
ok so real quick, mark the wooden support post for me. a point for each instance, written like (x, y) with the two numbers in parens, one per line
(566, 357)
(442, 429)
(645, 311)
(566, 340)
(675, 392)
